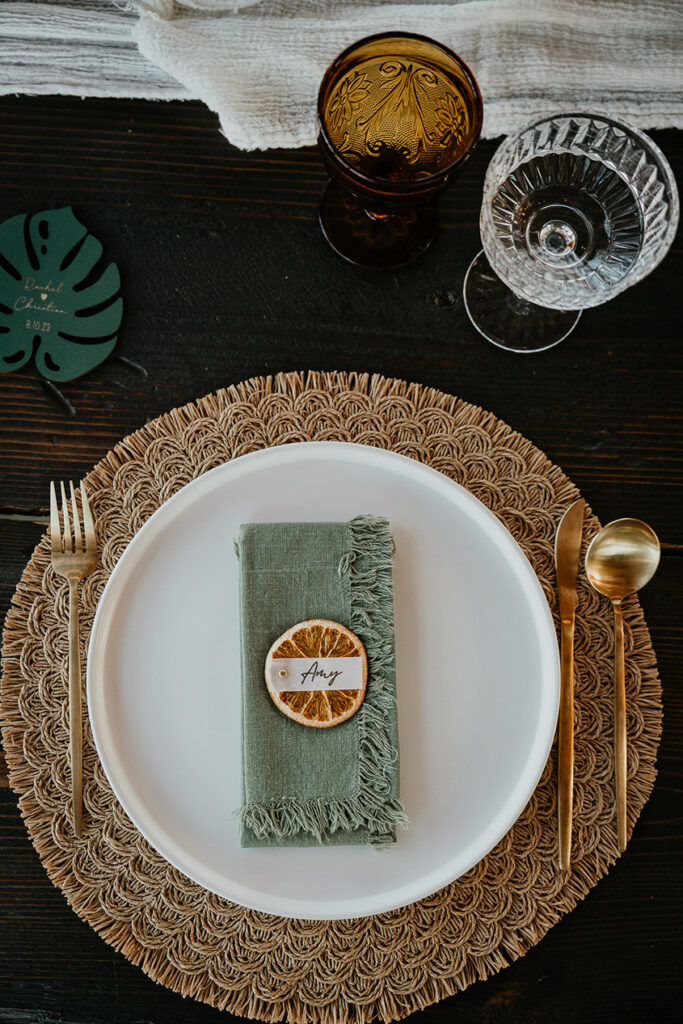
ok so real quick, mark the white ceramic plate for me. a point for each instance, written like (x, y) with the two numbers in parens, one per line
(477, 673)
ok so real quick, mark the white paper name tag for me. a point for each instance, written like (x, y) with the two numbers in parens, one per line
(316, 674)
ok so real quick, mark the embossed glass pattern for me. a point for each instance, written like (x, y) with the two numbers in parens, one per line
(576, 208)
(398, 116)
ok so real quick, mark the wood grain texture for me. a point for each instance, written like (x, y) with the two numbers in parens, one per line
(226, 276)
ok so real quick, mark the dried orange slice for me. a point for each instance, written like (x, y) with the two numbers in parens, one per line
(317, 641)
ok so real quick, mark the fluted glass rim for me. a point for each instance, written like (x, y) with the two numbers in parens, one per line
(428, 180)
(507, 267)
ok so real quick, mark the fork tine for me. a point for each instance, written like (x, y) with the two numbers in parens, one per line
(68, 543)
(78, 543)
(88, 524)
(55, 533)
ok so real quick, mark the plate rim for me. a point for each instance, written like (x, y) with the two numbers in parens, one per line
(363, 906)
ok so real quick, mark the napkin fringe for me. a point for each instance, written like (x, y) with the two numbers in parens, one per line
(366, 569)
(324, 816)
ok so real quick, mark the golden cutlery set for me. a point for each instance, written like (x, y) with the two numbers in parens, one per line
(620, 559)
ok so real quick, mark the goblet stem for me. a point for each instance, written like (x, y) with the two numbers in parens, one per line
(508, 321)
(379, 239)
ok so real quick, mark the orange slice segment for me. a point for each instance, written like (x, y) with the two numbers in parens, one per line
(318, 639)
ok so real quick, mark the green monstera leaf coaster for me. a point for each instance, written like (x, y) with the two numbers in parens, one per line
(59, 301)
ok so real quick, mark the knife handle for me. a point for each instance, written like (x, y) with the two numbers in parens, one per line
(565, 789)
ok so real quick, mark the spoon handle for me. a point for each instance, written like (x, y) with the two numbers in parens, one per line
(620, 723)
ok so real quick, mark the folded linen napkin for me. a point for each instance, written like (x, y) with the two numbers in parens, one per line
(306, 786)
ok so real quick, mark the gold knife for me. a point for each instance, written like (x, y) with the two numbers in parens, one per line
(567, 549)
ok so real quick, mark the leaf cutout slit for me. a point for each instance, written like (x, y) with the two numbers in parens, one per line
(30, 251)
(49, 362)
(15, 357)
(73, 253)
(87, 340)
(99, 307)
(9, 268)
(6, 310)
(93, 275)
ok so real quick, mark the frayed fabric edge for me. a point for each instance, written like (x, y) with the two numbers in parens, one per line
(324, 817)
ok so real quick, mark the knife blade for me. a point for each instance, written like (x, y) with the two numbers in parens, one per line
(567, 553)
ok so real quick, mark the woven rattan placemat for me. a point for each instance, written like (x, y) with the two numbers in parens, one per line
(268, 967)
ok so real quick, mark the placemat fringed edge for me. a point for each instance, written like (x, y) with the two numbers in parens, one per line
(58, 858)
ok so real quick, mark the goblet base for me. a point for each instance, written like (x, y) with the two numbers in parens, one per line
(382, 242)
(508, 321)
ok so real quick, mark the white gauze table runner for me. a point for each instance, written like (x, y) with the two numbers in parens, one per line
(258, 63)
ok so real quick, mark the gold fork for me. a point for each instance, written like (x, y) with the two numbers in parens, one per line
(74, 556)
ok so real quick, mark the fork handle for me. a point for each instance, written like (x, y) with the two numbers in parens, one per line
(75, 714)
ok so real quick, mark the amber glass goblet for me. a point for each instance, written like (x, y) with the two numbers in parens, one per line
(398, 116)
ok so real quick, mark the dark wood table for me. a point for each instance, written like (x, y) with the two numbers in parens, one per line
(226, 276)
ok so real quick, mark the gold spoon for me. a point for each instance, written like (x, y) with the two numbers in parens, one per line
(621, 559)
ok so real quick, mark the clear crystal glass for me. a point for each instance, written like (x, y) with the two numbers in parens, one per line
(576, 208)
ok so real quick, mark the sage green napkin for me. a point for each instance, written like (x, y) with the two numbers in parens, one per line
(303, 786)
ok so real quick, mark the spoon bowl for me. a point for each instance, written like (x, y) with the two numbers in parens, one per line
(621, 559)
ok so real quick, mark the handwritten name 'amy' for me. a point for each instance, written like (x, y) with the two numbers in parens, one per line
(314, 672)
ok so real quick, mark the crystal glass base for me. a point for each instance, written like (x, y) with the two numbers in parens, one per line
(508, 321)
(368, 240)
